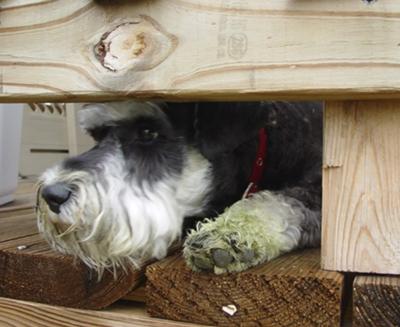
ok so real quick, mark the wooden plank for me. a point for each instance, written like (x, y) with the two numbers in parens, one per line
(137, 295)
(15, 313)
(289, 291)
(376, 301)
(361, 198)
(30, 270)
(73, 50)
(23, 203)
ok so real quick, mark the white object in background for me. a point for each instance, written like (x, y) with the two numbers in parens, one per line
(10, 143)
(50, 133)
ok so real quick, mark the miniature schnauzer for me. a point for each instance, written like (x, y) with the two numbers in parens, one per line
(157, 165)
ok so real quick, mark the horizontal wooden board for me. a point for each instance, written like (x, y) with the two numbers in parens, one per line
(30, 270)
(74, 50)
(289, 291)
(15, 313)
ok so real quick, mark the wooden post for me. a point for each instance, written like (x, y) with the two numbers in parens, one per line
(361, 187)
(291, 290)
(376, 301)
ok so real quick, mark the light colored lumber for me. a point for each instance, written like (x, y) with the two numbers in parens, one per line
(376, 301)
(14, 313)
(198, 49)
(289, 291)
(361, 198)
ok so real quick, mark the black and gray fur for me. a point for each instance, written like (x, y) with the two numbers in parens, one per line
(155, 148)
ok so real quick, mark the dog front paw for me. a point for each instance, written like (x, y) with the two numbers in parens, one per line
(210, 249)
(250, 232)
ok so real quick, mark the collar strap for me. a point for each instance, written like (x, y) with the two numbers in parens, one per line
(259, 164)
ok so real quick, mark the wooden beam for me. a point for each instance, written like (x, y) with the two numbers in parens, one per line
(74, 50)
(361, 198)
(16, 313)
(376, 301)
(291, 291)
(30, 270)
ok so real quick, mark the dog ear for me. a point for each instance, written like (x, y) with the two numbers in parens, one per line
(222, 127)
(95, 119)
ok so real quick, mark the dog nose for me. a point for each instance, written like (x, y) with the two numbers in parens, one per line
(55, 195)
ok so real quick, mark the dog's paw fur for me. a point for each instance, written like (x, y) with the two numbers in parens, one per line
(252, 231)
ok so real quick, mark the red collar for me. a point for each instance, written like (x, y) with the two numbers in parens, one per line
(259, 163)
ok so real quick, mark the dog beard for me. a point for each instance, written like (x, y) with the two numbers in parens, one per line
(112, 221)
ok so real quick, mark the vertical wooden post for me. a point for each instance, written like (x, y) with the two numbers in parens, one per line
(361, 187)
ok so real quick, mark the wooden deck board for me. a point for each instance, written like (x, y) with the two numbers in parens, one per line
(14, 313)
(289, 291)
(30, 270)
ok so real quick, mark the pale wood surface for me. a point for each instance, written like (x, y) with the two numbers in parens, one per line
(361, 198)
(198, 49)
(289, 291)
(14, 313)
(376, 301)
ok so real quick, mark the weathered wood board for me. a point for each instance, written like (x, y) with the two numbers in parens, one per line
(14, 313)
(289, 291)
(376, 301)
(74, 50)
(361, 198)
(30, 270)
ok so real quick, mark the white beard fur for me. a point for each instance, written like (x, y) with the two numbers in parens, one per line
(110, 222)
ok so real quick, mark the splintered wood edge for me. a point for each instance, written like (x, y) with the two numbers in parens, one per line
(376, 300)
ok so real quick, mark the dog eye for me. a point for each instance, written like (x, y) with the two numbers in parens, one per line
(147, 135)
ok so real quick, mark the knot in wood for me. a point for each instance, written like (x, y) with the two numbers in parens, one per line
(139, 44)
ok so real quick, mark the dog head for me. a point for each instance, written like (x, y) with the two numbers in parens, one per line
(124, 200)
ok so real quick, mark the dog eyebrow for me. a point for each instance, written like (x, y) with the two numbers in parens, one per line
(94, 115)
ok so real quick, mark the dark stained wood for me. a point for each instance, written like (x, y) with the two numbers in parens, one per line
(289, 291)
(137, 295)
(30, 270)
(376, 301)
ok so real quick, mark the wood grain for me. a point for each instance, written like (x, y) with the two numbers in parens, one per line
(73, 50)
(361, 198)
(30, 270)
(14, 313)
(376, 301)
(289, 291)
(137, 295)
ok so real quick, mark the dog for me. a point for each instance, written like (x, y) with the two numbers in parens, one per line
(158, 166)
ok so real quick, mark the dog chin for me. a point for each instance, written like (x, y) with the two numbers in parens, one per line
(109, 223)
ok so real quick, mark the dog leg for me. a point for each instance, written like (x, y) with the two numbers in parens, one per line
(253, 231)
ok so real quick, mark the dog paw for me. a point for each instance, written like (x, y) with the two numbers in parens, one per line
(250, 232)
(219, 251)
